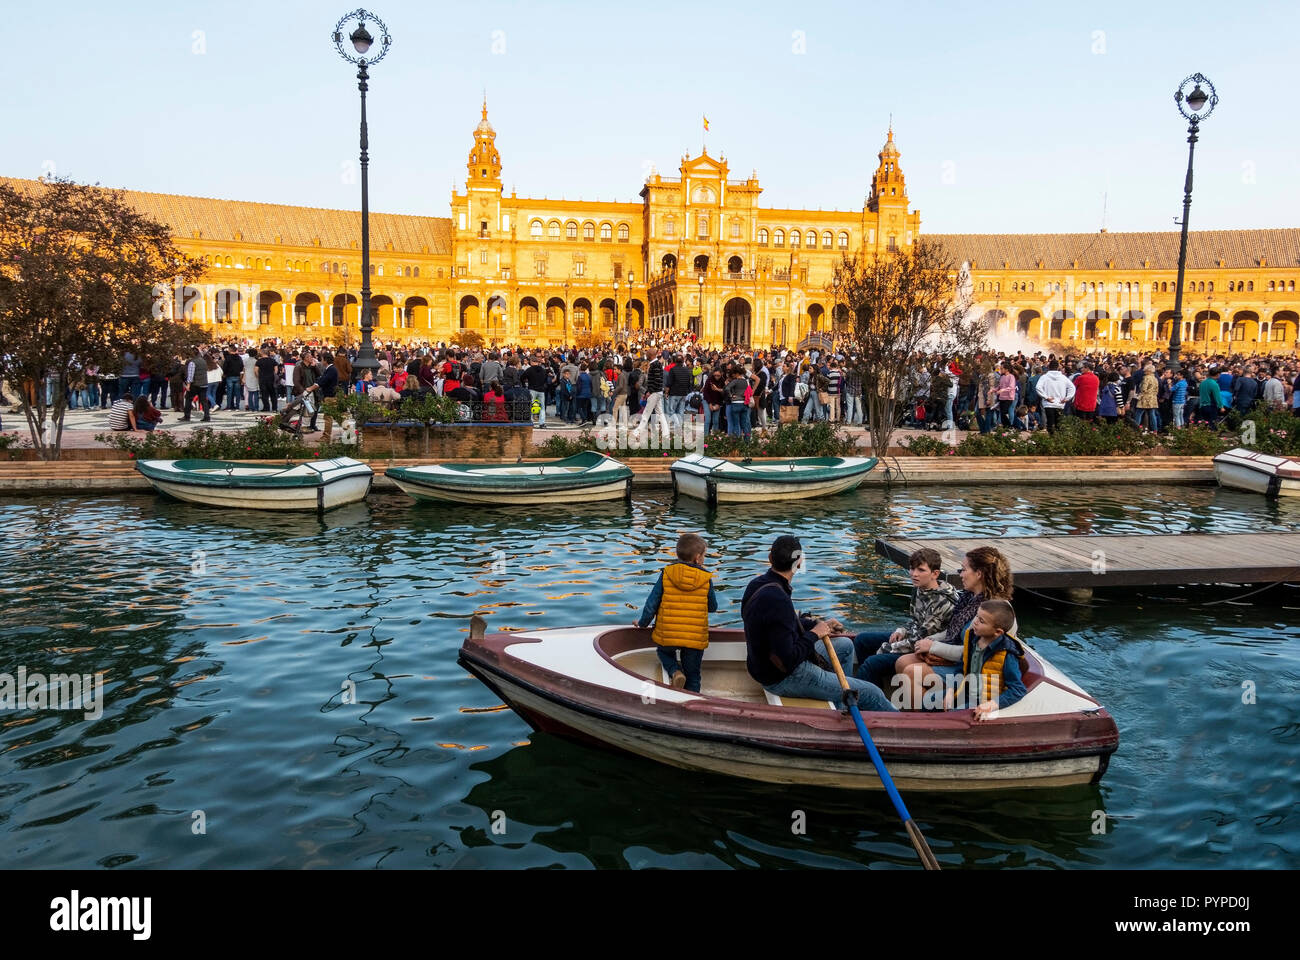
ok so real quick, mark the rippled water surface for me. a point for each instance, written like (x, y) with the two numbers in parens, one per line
(229, 645)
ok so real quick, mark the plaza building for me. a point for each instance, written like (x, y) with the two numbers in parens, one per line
(699, 252)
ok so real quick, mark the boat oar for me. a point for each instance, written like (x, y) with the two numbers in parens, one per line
(913, 831)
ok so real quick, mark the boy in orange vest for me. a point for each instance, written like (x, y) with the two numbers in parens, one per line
(679, 605)
(992, 662)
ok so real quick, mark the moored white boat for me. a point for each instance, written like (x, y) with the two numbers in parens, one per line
(1242, 469)
(314, 485)
(584, 478)
(715, 480)
(604, 685)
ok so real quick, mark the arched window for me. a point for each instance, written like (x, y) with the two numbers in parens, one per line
(571, 230)
(589, 230)
(981, 286)
(1031, 285)
(1250, 286)
(623, 233)
(553, 229)
(535, 229)
(416, 271)
(1290, 286)
(606, 232)
(827, 240)
(762, 236)
(1270, 286)
(811, 238)
(1211, 286)
(1230, 286)
(794, 238)
(381, 269)
(844, 240)
(335, 267)
(778, 238)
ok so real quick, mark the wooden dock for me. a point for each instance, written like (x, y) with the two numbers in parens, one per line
(1124, 561)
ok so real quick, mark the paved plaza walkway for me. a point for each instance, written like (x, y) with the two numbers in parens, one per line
(81, 426)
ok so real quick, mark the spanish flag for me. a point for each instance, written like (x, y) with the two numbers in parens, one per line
(706, 124)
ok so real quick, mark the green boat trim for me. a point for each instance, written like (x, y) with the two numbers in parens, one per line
(223, 474)
(814, 470)
(582, 470)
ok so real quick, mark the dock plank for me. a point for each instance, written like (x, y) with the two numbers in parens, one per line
(1123, 560)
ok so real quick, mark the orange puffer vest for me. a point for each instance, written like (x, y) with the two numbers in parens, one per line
(683, 618)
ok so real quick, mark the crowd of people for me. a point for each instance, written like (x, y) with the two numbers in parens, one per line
(669, 374)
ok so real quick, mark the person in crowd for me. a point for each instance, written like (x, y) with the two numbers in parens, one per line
(1054, 390)
(196, 386)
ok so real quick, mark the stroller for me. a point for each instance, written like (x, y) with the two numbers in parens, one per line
(298, 410)
(924, 413)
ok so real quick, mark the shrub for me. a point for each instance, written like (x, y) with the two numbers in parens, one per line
(1197, 440)
(925, 445)
(263, 441)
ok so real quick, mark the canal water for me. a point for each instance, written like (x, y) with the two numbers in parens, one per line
(231, 647)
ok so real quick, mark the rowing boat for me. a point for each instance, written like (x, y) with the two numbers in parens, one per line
(314, 485)
(584, 478)
(715, 480)
(1242, 469)
(604, 685)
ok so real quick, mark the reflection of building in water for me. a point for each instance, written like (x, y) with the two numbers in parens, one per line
(697, 252)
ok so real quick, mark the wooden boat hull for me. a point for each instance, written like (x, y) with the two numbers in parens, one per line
(803, 743)
(1258, 473)
(583, 479)
(693, 477)
(250, 487)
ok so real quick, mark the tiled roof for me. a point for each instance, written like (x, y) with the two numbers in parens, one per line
(262, 223)
(1059, 251)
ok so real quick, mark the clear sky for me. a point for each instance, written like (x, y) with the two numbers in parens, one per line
(1011, 117)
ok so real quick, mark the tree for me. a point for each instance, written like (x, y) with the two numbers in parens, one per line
(468, 339)
(903, 306)
(84, 277)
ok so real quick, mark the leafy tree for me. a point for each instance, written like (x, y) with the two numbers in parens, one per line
(84, 277)
(468, 339)
(903, 307)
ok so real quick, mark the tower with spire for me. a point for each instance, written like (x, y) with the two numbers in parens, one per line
(484, 163)
(887, 222)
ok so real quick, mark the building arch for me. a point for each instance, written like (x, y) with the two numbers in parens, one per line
(1056, 330)
(1285, 327)
(266, 300)
(582, 314)
(556, 312)
(553, 229)
(701, 263)
(1025, 321)
(735, 264)
(1090, 322)
(762, 236)
(1126, 323)
(339, 308)
(529, 314)
(1245, 327)
(571, 230)
(468, 312)
(995, 320)
(496, 315)
(1201, 324)
(668, 263)
(606, 232)
(226, 305)
(608, 313)
(302, 310)
(737, 317)
(414, 310)
(635, 315)
(816, 317)
(382, 306)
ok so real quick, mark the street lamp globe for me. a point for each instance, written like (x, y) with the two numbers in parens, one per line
(361, 39)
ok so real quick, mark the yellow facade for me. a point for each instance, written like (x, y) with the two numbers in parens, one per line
(698, 252)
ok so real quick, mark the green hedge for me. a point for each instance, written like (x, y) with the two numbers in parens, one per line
(819, 439)
(263, 441)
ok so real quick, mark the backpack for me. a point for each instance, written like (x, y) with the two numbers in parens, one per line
(606, 388)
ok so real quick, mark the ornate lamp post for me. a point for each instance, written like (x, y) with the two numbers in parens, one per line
(1201, 105)
(362, 42)
(699, 334)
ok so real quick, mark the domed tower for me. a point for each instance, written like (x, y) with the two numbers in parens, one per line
(887, 186)
(886, 221)
(484, 163)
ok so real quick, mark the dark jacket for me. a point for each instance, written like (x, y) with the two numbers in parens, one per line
(232, 365)
(329, 381)
(680, 381)
(778, 640)
(535, 378)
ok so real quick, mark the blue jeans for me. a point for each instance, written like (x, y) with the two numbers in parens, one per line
(212, 395)
(540, 397)
(1151, 417)
(738, 419)
(232, 393)
(811, 681)
(690, 660)
(674, 406)
(713, 419)
(252, 399)
(146, 425)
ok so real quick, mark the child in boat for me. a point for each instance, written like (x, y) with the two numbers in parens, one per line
(993, 662)
(679, 605)
(933, 601)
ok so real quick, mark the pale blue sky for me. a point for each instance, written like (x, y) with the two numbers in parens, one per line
(1011, 117)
